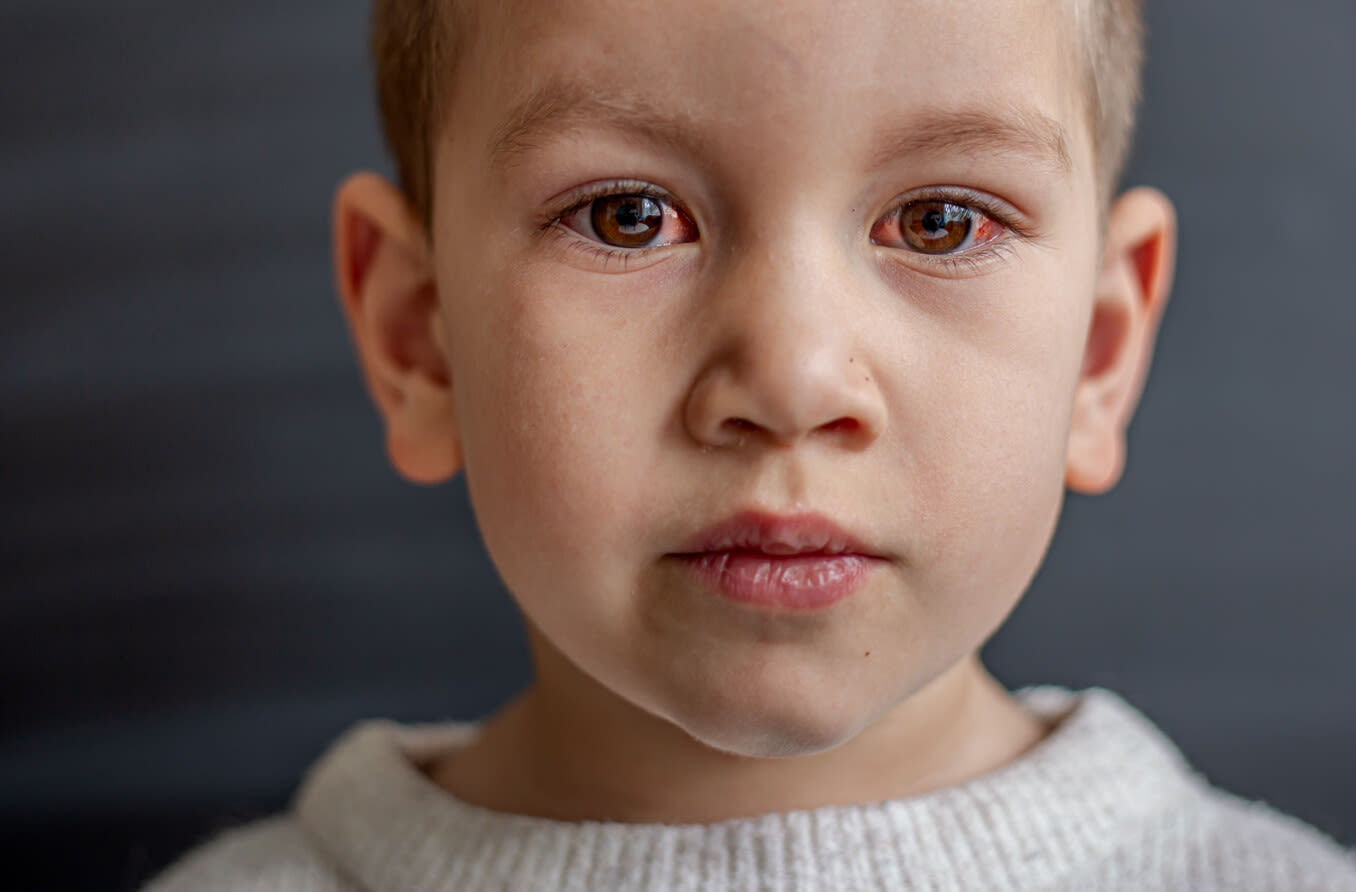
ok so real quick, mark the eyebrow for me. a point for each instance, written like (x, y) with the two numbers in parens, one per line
(1015, 130)
(565, 106)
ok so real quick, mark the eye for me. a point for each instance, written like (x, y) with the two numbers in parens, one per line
(630, 220)
(936, 226)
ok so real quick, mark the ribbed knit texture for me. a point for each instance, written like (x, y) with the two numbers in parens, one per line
(1104, 804)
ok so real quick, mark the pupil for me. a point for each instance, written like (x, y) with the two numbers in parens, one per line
(934, 221)
(637, 215)
(628, 215)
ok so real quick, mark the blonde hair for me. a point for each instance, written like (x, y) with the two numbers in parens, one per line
(414, 45)
(1110, 39)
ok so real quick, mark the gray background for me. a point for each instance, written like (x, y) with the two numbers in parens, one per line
(207, 569)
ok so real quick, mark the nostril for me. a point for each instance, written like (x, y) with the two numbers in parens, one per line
(737, 431)
(843, 425)
(742, 427)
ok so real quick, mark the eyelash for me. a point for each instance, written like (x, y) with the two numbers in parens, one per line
(971, 261)
(974, 259)
(552, 222)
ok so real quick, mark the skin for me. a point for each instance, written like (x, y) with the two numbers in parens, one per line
(777, 356)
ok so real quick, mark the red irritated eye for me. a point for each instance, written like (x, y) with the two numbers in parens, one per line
(631, 221)
(934, 226)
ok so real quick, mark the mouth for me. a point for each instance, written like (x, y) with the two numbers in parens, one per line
(792, 562)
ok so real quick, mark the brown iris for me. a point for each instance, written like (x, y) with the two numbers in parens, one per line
(935, 227)
(626, 221)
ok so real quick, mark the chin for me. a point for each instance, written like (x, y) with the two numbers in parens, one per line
(773, 731)
(771, 741)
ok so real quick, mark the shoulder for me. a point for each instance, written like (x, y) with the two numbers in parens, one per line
(1218, 842)
(264, 856)
(1251, 840)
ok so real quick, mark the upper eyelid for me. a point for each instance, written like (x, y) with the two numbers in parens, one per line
(576, 198)
(573, 201)
(993, 207)
(973, 260)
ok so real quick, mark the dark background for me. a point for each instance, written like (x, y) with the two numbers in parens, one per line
(207, 569)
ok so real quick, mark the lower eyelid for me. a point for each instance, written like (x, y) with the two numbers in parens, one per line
(974, 262)
(599, 253)
(582, 206)
(986, 219)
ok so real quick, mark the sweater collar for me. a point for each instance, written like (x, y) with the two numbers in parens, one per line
(1101, 775)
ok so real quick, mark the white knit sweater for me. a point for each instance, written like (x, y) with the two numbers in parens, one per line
(1104, 803)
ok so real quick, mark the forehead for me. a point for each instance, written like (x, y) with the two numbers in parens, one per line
(801, 71)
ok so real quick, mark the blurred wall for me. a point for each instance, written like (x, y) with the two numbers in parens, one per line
(207, 569)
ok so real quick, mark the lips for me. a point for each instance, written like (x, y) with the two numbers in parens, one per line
(797, 562)
(774, 534)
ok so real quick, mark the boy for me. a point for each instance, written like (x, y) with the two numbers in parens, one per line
(769, 336)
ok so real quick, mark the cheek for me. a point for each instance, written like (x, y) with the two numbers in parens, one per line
(1002, 475)
(992, 442)
(560, 409)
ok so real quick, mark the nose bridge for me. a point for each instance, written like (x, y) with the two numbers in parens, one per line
(786, 345)
(777, 300)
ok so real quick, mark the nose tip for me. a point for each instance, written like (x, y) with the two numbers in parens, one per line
(781, 404)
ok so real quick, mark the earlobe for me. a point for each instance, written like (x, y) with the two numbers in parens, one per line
(384, 274)
(1131, 292)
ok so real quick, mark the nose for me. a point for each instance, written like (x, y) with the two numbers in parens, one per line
(786, 362)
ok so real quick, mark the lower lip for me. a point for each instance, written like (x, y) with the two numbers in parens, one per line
(799, 582)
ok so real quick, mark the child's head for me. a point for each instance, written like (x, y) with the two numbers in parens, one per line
(685, 261)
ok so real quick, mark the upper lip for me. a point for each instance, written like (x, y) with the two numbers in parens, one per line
(776, 534)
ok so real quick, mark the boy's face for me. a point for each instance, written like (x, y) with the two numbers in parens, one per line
(784, 338)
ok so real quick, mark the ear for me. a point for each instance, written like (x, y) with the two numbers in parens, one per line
(384, 272)
(1132, 289)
